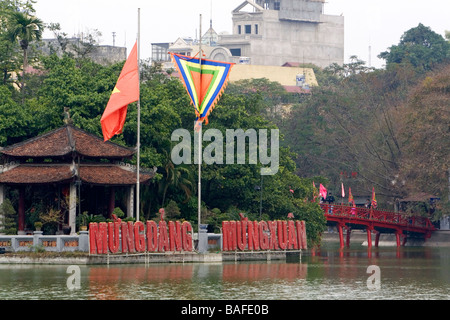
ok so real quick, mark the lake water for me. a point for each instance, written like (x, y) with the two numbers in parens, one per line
(408, 273)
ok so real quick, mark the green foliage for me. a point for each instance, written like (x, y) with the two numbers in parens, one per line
(9, 223)
(358, 120)
(172, 211)
(24, 27)
(84, 87)
(10, 56)
(421, 47)
(14, 119)
(389, 127)
(118, 212)
(425, 138)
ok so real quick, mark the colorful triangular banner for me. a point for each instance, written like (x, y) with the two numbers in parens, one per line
(204, 85)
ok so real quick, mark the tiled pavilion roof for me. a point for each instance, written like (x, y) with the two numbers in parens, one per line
(63, 142)
(108, 174)
(33, 174)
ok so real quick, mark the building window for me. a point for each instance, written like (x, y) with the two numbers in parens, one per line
(160, 52)
(239, 30)
(277, 6)
(248, 29)
(256, 29)
(235, 52)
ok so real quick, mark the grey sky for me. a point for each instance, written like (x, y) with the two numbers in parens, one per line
(375, 24)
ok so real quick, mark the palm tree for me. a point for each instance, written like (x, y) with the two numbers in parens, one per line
(26, 28)
(179, 177)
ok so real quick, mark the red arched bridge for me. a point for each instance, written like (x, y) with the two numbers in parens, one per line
(403, 226)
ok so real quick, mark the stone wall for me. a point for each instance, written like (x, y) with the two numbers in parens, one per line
(39, 242)
(100, 54)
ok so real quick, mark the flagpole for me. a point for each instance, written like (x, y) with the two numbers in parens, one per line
(138, 118)
(200, 139)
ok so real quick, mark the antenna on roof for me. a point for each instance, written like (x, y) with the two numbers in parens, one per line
(210, 19)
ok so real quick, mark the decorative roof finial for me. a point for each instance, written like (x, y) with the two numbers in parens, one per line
(67, 118)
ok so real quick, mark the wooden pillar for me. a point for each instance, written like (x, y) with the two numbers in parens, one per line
(341, 235)
(72, 207)
(21, 211)
(112, 201)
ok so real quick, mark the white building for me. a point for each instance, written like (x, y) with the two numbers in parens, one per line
(271, 33)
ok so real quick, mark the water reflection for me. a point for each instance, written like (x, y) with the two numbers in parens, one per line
(406, 273)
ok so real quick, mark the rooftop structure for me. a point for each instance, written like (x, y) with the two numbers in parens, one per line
(101, 54)
(270, 33)
(273, 32)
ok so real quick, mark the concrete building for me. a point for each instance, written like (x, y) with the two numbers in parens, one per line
(273, 32)
(291, 76)
(101, 54)
(294, 80)
(270, 33)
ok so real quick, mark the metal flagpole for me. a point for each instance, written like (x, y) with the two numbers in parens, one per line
(200, 138)
(138, 117)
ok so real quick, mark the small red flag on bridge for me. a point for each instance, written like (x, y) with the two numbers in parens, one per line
(323, 191)
(374, 200)
(350, 197)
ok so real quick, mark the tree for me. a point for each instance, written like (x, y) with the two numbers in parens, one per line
(9, 223)
(348, 131)
(85, 88)
(421, 47)
(26, 28)
(61, 37)
(179, 177)
(14, 119)
(355, 66)
(86, 45)
(9, 57)
(425, 136)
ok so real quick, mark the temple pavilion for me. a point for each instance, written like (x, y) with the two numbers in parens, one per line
(72, 163)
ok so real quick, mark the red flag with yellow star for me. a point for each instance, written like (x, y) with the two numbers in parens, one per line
(125, 92)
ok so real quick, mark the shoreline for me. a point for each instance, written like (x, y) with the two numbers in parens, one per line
(438, 239)
(81, 258)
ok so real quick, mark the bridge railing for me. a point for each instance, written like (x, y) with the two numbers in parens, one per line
(377, 215)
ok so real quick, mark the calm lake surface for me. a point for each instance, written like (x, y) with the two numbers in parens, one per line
(409, 273)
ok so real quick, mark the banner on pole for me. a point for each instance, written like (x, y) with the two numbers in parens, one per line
(204, 83)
